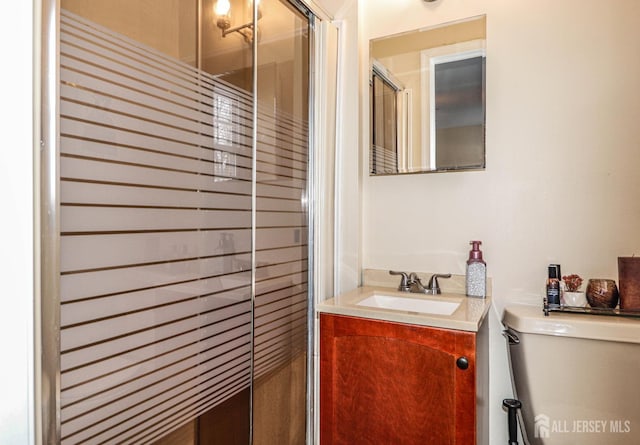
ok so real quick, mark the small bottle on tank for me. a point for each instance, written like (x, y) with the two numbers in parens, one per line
(553, 285)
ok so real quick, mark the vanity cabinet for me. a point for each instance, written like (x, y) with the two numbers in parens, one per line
(384, 382)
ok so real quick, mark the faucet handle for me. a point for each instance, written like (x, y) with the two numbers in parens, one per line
(434, 287)
(404, 281)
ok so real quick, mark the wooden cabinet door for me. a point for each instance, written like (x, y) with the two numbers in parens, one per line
(391, 383)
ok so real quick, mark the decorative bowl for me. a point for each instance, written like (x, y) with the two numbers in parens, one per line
(602, 293)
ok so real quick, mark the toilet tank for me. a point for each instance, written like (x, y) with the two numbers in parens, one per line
(577, 376)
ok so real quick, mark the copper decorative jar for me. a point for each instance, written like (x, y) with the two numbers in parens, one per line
(629, 282)
(602, 293)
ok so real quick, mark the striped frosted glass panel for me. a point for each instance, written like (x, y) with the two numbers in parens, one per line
(156, 196)
(280, 314)
(382, 160)
(384, 119)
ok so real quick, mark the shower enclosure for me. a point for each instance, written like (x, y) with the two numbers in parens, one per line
(176, 264)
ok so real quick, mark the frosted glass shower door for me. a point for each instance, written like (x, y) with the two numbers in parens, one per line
(180, 298)
(155, 238)
(281, 275)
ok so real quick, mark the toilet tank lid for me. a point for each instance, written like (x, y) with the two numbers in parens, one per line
(531, 319)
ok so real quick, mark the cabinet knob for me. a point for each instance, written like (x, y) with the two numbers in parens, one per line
(463, 363)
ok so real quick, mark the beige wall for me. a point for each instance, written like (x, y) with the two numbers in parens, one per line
(562, 182)
(166, 25)
(414, 42)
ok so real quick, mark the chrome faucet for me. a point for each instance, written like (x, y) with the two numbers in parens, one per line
(433, 287)
(410, 282)
(404, 286)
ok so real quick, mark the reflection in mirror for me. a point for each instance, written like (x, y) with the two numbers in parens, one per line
(428, 99)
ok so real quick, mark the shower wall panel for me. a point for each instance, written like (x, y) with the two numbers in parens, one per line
(156, 254)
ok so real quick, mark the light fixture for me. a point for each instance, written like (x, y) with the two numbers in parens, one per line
(222, 11)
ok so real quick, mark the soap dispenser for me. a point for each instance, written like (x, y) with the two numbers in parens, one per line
(476, 272)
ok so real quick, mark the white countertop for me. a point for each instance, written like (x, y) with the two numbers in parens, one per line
(467, 317)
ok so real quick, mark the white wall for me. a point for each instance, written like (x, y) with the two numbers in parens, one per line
(562, 182)
(16, 251)
(349, 156)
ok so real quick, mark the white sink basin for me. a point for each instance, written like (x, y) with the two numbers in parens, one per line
(418, 304)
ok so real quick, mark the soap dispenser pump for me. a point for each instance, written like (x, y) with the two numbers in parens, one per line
(476, 272)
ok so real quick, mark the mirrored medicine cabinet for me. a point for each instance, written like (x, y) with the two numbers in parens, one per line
(427, 98)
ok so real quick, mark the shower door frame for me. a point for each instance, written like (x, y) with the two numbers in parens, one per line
(47, 324)
(312, 178)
